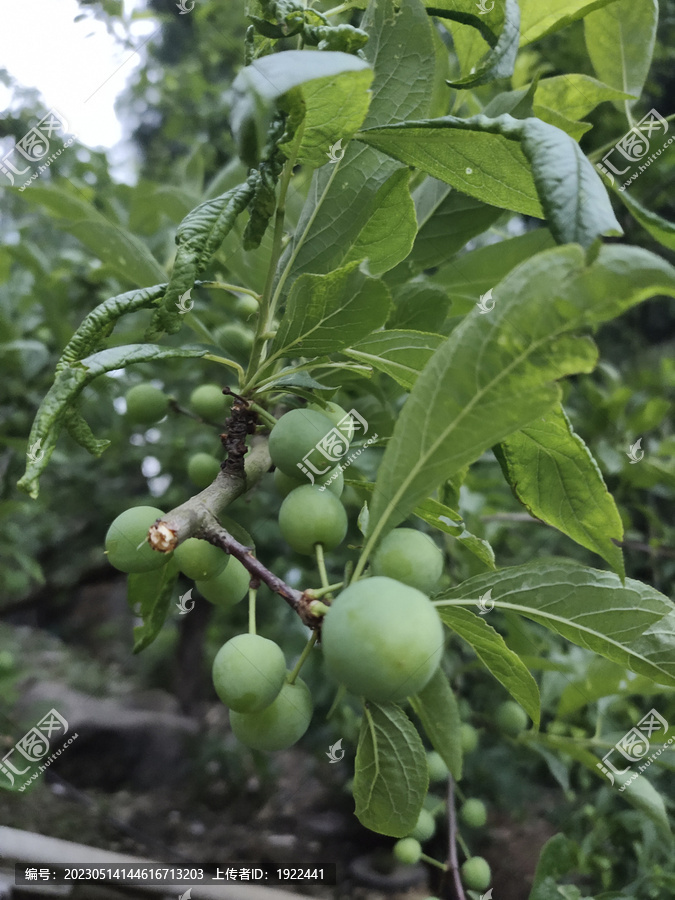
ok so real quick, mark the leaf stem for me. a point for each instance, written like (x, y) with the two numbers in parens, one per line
(303, 656)
(321, 565)
(232, 288)
(224, 361)
(315, 593)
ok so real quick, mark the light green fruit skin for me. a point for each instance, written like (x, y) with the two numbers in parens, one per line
(200, 560)
(425, 827)
(511, 718)
(278, 726)
(145, 404)
(246, 306)
(202, 468)
(294, 438)
(6, 661)
(248, 672)
(125, 534)
(407, 851)
(468, 737)
(438, 771)
(236, 340)
(410, 556)
(227, 588)
(383, 640)
(285, 484)
(336, 414)
(473, 813)
(476, 873)
(309, 516)
(209, 402)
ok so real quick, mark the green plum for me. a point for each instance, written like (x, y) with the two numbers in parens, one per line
(230, 586)
(200, 560)
(248, 672)
(146, 404)
(309, 516)
(438, 771)
(511, 718)
(126, 542)
(407, 851)
(285, 483)
(473, 813)
(209, 402)
(294, 439)
(202, 468)
(476, 873)
(279, 725)
(338, 416)
(410, 556)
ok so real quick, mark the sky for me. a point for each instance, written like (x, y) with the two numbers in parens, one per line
(78, 67)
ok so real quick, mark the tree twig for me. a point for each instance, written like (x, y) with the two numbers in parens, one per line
(453, 863)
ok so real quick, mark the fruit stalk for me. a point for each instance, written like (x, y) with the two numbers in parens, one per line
(453, 862)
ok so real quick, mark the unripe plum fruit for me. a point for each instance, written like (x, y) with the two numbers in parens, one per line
(248, 672)
(235, 339)
(511, 718)
(410, 556)
(476, 873)
(279, 725)
(438, 771)
(146, 404)
(382, 639)
(285, 483)
(228, 587)
(468, 737)
(309, 517)
(126, 542)
(200, 560)
(246, 306)
(202, 468)
(407, 851)
(337, 414)
(473, 813)
(425, 827)
(294, 438)
(209, 402)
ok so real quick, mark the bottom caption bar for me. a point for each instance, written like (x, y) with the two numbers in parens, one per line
(196, 875)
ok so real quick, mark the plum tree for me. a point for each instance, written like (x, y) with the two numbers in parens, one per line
(279, 725)
(209, 402)
(382, 639)
(248, 672)
(511, 718)
(146, 404)
(409, 556)
(438, 771)
(424, 828)
(468, 737)
(202, 468)
(309, 517)
(286, 483)
(473, 813)
(294, 440)
(200, 560)
(476, 873)
(228, 587)
(338, 416)
(408, 851)
(126, 541)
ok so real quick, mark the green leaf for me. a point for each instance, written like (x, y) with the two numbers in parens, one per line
(554, 475)
(448, 521)
(524, 165)
(342, 197)
(257, 87)
(68, 385)
(293, 380)
(390, 775)
(389, 234)
(126, 255)
(631, 624)
(400, 354)
(496, 373)
(419, 306)
(150, 593)
(574, 95)
(331, 109)
(620, 42)
(492, 651)
(541, 17)
(558, 856)
(437, 710)
(660, 229)
(327, 312)
(499, 62)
